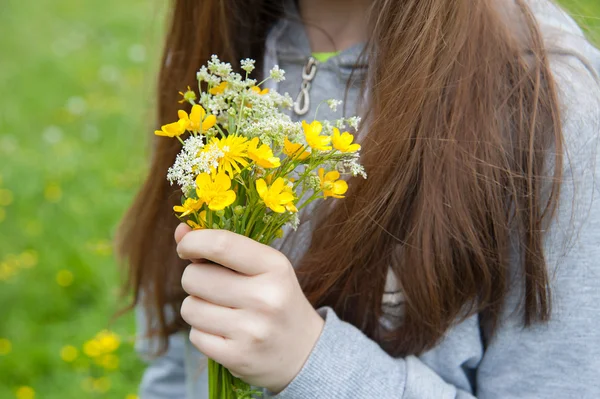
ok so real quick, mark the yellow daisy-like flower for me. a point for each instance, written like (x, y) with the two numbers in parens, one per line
(188, 96)
(197, 121)
(263, 155)
(215, 190)
(257, 90)
(201, 225)
(312, 132)
(343, 141)
(190, 205)
(331, 186)
(235, 150)
(294, 150)
(218, 89)
(174, 129)
(275, 197)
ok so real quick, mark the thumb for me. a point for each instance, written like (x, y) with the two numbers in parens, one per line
(181, 231)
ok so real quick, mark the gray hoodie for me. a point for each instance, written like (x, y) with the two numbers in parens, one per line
(560, 359)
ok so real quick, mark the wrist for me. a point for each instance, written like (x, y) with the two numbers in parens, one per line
(308, 336)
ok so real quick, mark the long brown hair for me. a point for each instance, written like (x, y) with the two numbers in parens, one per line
(462, 114)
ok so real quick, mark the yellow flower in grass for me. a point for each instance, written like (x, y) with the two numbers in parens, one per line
(257, 90)
(218, 89)
(190, 205)
(312, 132)
(235, 152)
(202, 224)
(108, 361)
(69, 353)
(5, 346)
(277, 197)
(294, 150)
(197, 121)
(188, 96)
(25, 392)
(215, 190)
(174, 129)
(263, 155)
(343, 141)
(331, 186)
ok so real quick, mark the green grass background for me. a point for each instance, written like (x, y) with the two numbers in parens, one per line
(76, 106)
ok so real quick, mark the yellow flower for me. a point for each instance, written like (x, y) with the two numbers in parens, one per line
(6, 197)
(174, 129)
(343, 142)
(294, 150)
(188, 96)
(69, 353)
(197, 121)
(235, 151)
(201, 225)
(218, 89)
(215, 191)
(312, 132)
(190, 205)
(5, 346)
(131, 396)
(64, 278)
(290, 205)
(331, 186)
(92, 348)
(108, 361)
(101, 384)
(108, 340)
(263, 155)
(25, 392)
(275, 197)
(257, 90)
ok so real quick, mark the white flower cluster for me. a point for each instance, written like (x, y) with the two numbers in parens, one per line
(192, 161)
(333, 104)
(262, 114)
(277, 74)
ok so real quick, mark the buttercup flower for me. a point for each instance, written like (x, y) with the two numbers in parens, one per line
(215, 190)
(331, 186)
(174, 129)
(235, 151)
(197, 121)
(190, 205)
(275, 197)
(294, 150)
(188, 96)
(202, 220)
(218, 89)
(343, 142)
(263, 155)
(312, 132)
(257, 90)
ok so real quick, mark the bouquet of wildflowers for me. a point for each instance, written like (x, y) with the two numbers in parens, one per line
(246, 167)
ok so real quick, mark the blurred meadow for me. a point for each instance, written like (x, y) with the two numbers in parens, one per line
(76, 112)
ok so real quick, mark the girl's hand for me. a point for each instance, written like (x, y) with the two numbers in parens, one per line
(247, 311)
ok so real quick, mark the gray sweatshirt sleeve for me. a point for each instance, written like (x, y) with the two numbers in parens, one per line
(560, 359)
(164, 377)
